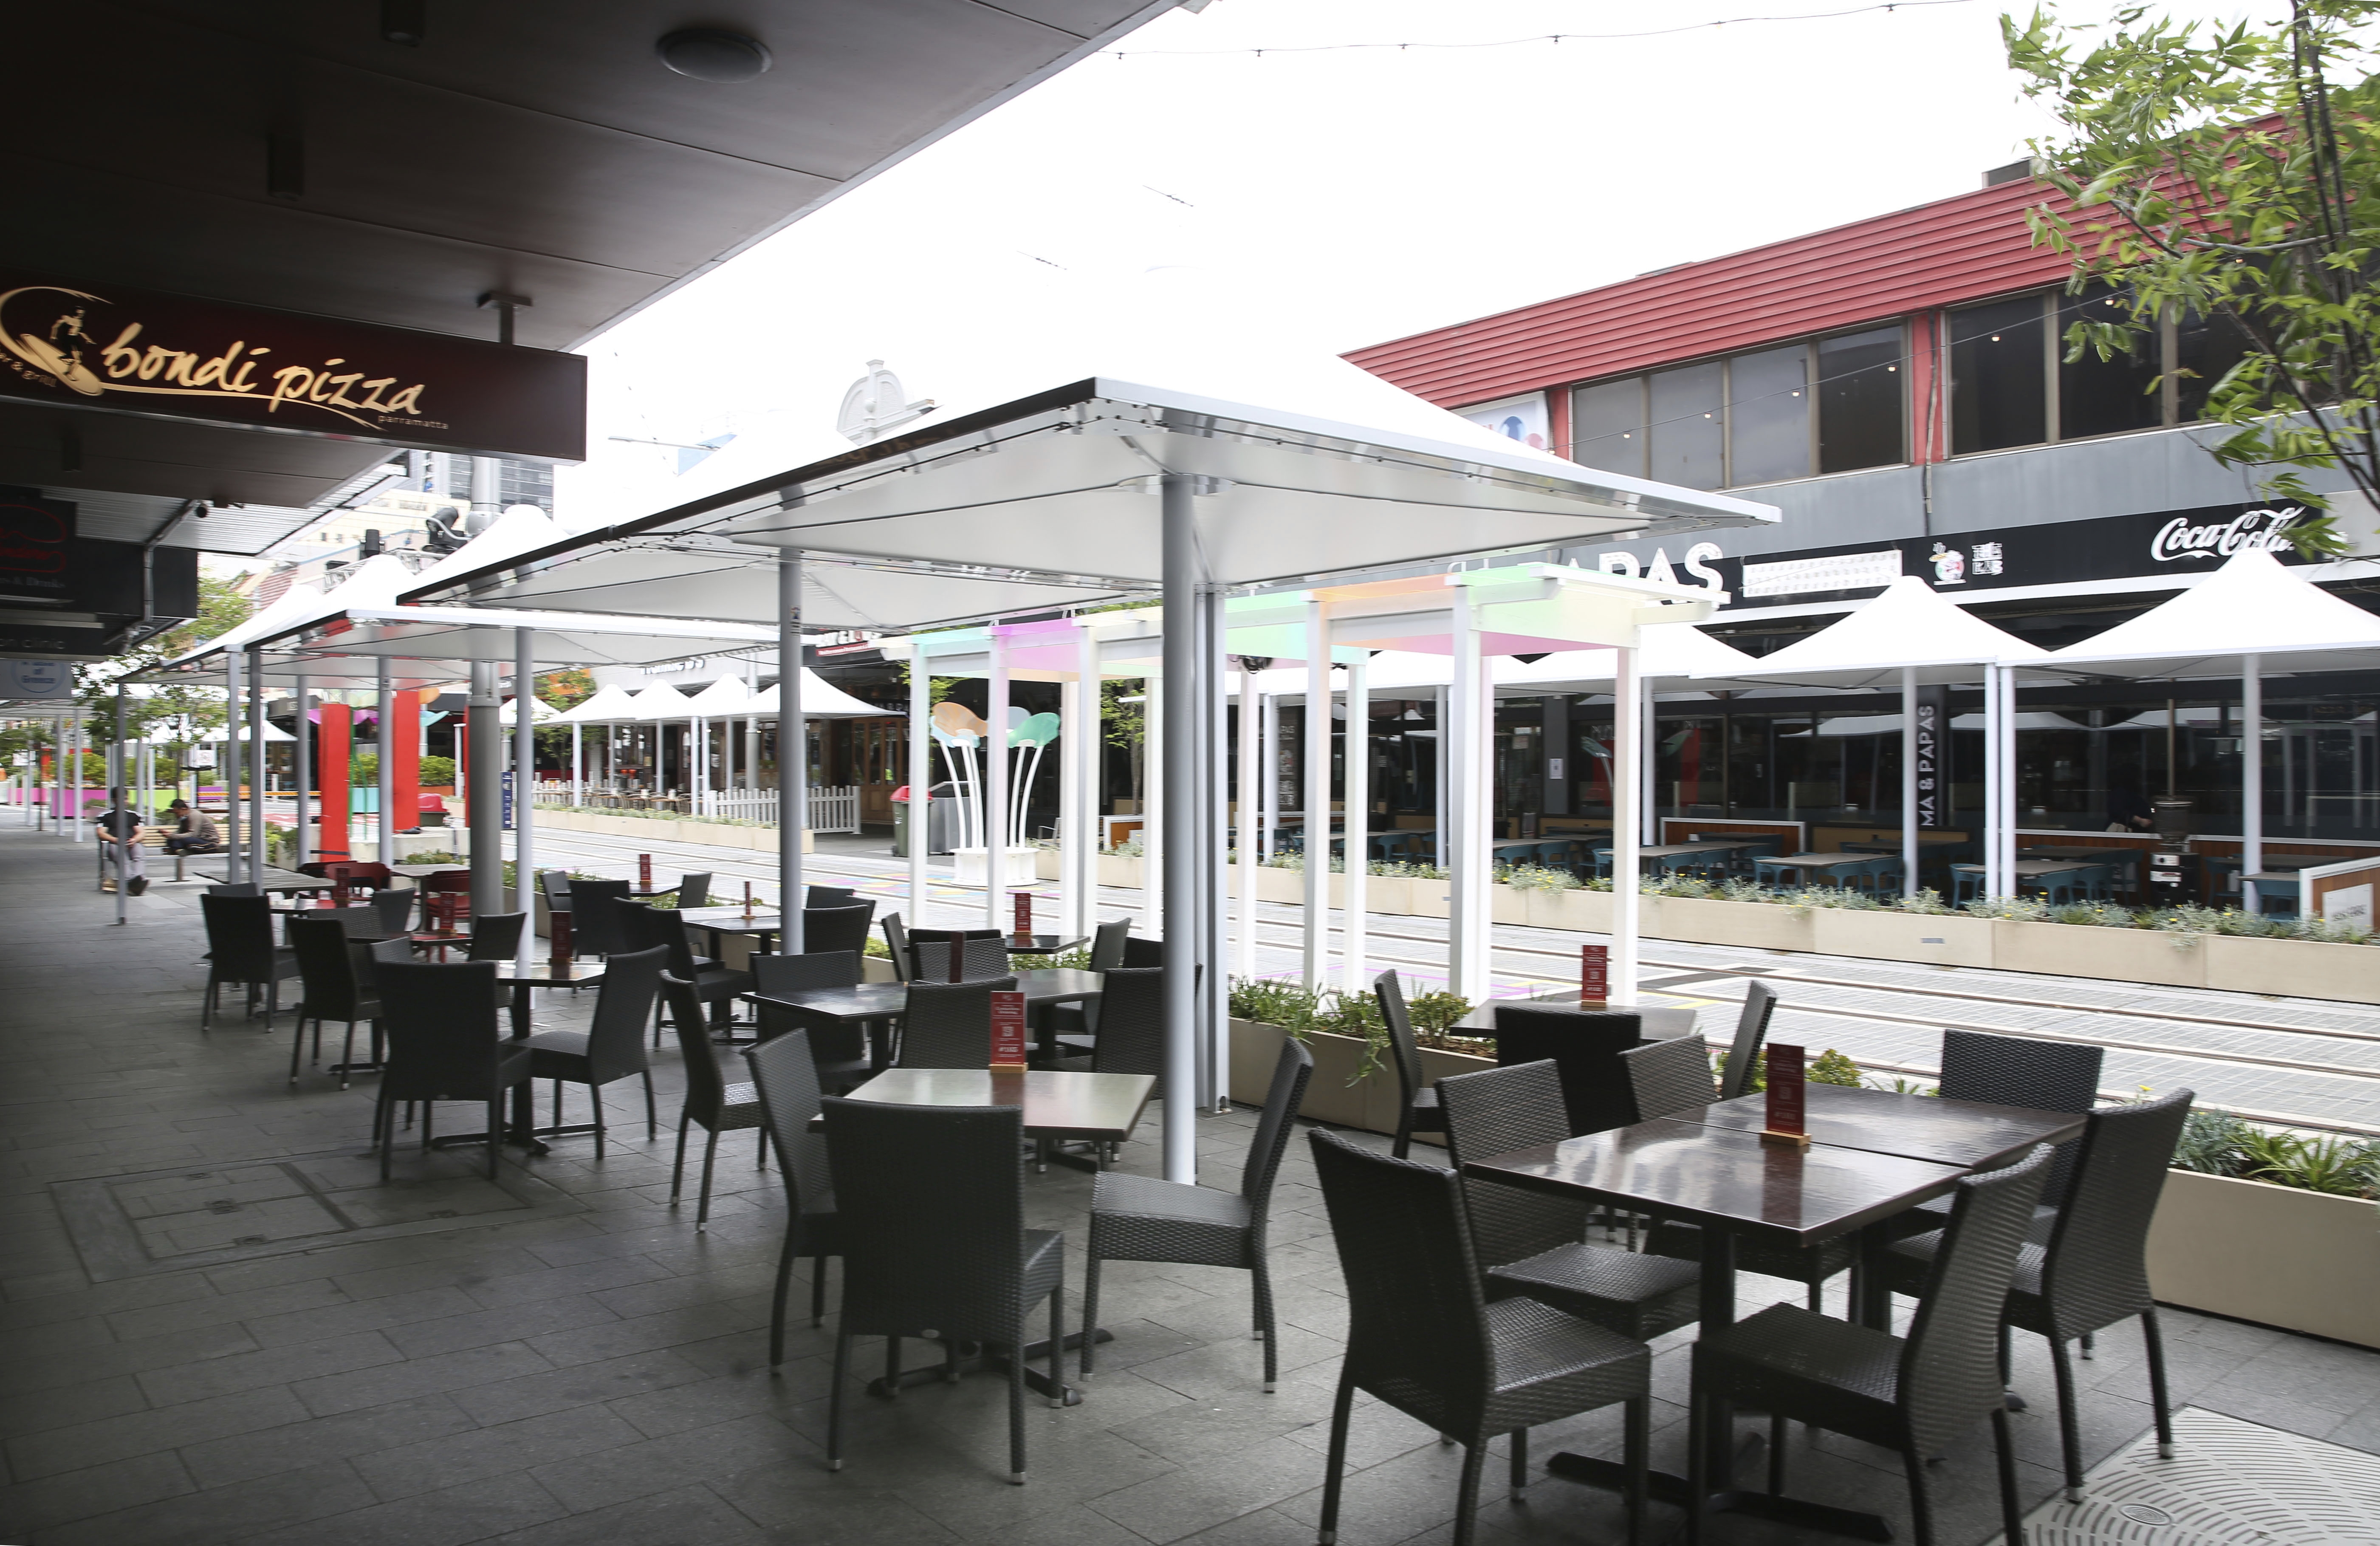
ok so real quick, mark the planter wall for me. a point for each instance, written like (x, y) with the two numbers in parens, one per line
(2300, 1260)
(2125, 954)
(717, 834)
(1941, 940)
(1334, 1095)
(2300, 968)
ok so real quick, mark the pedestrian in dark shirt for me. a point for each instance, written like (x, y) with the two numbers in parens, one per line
(119, 834)
(2127, 810)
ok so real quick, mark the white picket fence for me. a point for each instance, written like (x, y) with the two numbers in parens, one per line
(832, 808)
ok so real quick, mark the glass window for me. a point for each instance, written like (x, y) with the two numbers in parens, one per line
(1999, 388)
(1606, 426)
(1769, 415)
(2205, 349)
(1861, 411)
(2099, 397)
(1687, 434)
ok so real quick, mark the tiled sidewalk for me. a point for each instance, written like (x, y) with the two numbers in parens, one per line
(597, 1372)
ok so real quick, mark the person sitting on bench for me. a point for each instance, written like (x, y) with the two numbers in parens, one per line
(118, 830)
(194, 831)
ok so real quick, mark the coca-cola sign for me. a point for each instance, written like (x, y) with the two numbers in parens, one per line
(2265, 527)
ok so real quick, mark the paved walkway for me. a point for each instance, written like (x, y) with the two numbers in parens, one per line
(287, 1353)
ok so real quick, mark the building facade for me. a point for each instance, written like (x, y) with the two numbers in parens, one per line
(1899, 388)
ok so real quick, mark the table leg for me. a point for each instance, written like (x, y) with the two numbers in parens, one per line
(980, 1355)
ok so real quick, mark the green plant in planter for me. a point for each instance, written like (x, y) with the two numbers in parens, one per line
(2211, 1143)
(1535, 877)
(1828, 1068)
(1928, 902)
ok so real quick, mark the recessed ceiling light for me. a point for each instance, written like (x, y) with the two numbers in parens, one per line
(707, 54)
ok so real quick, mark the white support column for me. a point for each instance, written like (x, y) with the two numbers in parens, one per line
(1994, 882)
(1154, 801)
(1268, 777)
(1251, 820)
(1074, 906)
(1469, 853)
(1357, 795)
(1909, 780)
(1174, 774)
(1649, 755)
(792, 751)
(301, 766)
(227, 764)
(1214, 820)
(385, 733)
(483, 791)
(1441, 848)
(577, 764)
(921, 772)
(1317, 800)
(2010, 803)
(1629, 731)
(259, 850)
(524, 789)
(2252, 778)
(1089, 732)
(996, 837)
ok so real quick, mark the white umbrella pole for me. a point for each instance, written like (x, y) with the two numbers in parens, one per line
(995, 802)
(1628, 792)
(921, 775)
(1155, 853)
(1909, 780)
(1074, 918)
(1992, 885)
(300, 763)
(1470, 855)
(1269, 777)
(578, 764)
(230, 766)
(1176, 776)
(2008, 794)
(384, 777)
(2252, 778)
(1649, 754)
(1317, 801)
(1090, 735)
(524, 790)
(259, 850)
(1250, 823)
(792, 751)
(1357, 791)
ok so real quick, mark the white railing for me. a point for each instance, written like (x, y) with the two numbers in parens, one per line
(832, 809)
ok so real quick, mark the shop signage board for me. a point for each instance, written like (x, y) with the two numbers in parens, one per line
(1933, 749)
(36, 681)
(2340, 893)
(72, 342)
(2113, 547)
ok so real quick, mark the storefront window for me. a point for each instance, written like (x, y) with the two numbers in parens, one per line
(1769, 415)
(2205, 349)
(1998, 384)
(1688, 434)
(1606, 426)
(1861, 398)
(2099, 397)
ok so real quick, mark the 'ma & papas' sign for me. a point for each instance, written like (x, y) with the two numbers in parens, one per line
(173, 357)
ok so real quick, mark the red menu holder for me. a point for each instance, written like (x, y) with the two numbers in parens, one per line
(1593, 976)
(558, 929)
(747, 901)
(339, 873)
(1787, 1082)
(1024, 927)
(1007, 1031)
(644, 871)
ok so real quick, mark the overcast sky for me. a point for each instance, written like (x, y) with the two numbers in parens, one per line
(1303, 201)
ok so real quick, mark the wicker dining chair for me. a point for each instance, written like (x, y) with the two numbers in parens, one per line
(983, 953)
(1071, 1026)
(711, 1101)
(1533, 1243)
(1417, 1107)
(1751, 1033)
(1673, 1075)
(839, 1050)
(395, 907)
(2017, 1071)
(930, 1205)
(495, 937)
(1423, 1339)
(1141, 1218)
(1918, 1395)
(693, 891)
(241, 949)
(444, 1045)
(709, 982)
(784, 1071)
(896, 945)
(948, 1024)
(612, 1046)
(327, 967)
(2093, 1271)
(842, 928)
(595, 926)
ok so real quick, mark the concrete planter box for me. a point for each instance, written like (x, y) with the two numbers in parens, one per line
(716, 835)
(2123, 955)
(1761, 925)
(2303, 1262)
(876, 969)
(1946, 941)
(2298, 969)
(1334, 1095)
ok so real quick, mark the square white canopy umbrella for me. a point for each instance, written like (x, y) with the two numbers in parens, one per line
(2248, 619)
(1908, 637)
(1150, 487)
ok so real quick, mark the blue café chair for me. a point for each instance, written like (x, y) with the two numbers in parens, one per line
(1966, 882)
(1600, 862)
(2277, 898)
(2057, 888)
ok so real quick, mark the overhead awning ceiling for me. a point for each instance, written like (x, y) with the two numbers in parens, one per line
(295, 157)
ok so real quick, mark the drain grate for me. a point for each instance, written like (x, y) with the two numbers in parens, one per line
(2229, 1483)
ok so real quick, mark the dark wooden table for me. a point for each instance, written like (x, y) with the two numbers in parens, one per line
(1732, 1185)
(1660, 1023)
(877, 1006)
(1969, 1134)
(767, 924)
(1058, 1103)
(524, 981)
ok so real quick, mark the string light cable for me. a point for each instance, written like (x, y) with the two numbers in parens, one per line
(1536, 39)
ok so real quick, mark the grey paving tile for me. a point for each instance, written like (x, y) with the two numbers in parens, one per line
(71, 1404)
(32, 1456)
(448, 1371)
(223, 1515)
(714, 1451)
(500, 1450)
(271, 1366)
(451, 1516)
(677, 1517)
(480, 1328)
(65, 1495)
(295, 1447)
(577, 1386)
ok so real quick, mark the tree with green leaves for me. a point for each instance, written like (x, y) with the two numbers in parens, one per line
(2228, 174)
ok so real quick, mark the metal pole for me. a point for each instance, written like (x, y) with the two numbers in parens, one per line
(1157, 799)
(230, 766)
(1268, 777)
(1468, 853)
(2252, 778)
(1440, 702)
(302, 767)
(1649, 794)
(1174, 775)
(484, 792)
(921, 772)
(1074, 906)
(1991, 833)
(577, 764)
(1627, 794)
(2009, 792)
(1214, 764)
(995, 786)
(1250, 823)
(1357, 797)
(385, 734)
(1909, 780)
(793, 750)
(1316, 799)
(1089, 739)
(258, 848)
(130, 835)
(524, 789)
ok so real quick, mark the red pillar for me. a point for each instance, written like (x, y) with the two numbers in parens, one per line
(334, 738)
(402, 742)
